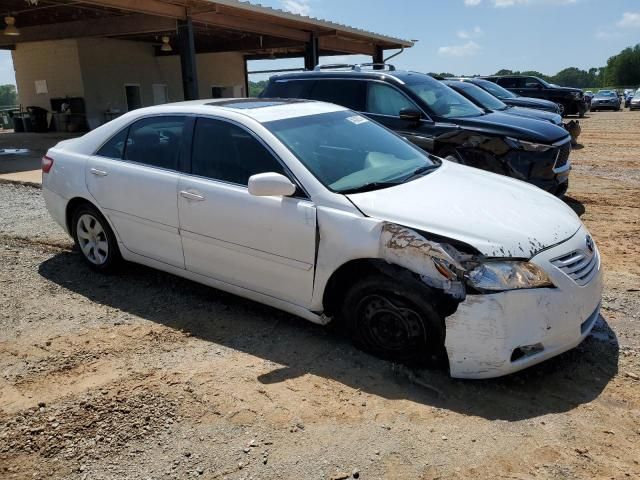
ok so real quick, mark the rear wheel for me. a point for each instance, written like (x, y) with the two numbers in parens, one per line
(395, 321)
(95, 239)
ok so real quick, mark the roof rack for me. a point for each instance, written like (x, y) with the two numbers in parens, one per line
(355, 67)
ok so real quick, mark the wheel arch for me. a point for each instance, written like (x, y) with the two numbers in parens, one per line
(72, 206)
(353, 270)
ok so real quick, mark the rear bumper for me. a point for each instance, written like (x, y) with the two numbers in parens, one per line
(56, 205)
(497, 334)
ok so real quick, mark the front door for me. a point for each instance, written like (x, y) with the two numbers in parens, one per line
(134, 180)
(384, 104)
(265, 244)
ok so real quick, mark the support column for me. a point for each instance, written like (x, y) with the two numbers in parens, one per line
(312, 53)
(187, 49)
(246, 77)
(378, 57)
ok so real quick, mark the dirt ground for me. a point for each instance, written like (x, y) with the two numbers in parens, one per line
(144, 375)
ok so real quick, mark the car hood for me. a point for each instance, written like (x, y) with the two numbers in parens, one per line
(531, 103)
(554, 118)
(603, 97)
(522, 128)
(499, 216)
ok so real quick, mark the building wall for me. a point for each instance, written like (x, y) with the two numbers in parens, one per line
(214, 69)
(98, 69)
(108, 64)
(222, 70)
(56, 62)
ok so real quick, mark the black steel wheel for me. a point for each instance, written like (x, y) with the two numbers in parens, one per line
(395, 321)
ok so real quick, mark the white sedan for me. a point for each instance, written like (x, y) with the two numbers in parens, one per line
(323, 213)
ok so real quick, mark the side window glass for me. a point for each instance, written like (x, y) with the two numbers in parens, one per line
(224, 151)
(288, 89)
(531, 82)
(347, 93)
(385, 100)
(508, 82)
(155, 141)
(114, 148)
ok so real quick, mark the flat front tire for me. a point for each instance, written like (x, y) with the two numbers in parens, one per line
(95, 239)
(395, 321)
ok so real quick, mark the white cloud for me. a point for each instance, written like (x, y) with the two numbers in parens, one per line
(474, 33)
(511, 3)
(630, 20)
(299, 7)
(472, 3)
(466, 50)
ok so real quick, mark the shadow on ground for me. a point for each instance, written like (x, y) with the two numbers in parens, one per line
(576, 205)
(557, 385)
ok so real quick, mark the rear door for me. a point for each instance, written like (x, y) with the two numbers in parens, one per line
(265, 244)
(134, 179)
(514, 84)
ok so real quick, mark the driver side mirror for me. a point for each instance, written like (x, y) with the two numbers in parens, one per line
(270, 184)
(410, 115)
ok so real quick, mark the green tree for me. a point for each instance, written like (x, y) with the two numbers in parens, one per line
(256, 88)
(8, 95)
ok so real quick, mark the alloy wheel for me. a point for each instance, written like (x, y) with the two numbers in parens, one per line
(92, 239)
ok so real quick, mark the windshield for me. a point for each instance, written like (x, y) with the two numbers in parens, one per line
(606, 93)
(494, 89)
(348, 152)
(444, 101)
(637, 94)
(545, 83)
(478, 95)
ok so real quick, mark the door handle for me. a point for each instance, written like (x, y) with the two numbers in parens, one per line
(98, 172)
(191, 196)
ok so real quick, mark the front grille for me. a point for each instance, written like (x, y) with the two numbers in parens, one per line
(579, 265)
(562, 156)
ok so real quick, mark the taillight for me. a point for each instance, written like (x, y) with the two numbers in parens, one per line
(47, 163)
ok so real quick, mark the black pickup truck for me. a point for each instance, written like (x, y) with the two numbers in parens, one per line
(571, 101)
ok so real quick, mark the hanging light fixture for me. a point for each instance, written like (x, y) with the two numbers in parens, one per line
(166, 46)
(11, 28)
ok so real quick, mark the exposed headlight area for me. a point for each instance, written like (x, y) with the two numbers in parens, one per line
(494, 276)
(576, 95)
(528, 146)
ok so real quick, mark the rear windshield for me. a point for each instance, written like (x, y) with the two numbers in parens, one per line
(444, 101)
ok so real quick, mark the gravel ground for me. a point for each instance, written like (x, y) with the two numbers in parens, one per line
(144, 375)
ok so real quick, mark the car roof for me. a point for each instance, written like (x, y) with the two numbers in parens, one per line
(397, 76)
(259, 109)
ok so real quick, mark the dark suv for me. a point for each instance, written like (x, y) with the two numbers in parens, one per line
(570, 100)
(441, 121)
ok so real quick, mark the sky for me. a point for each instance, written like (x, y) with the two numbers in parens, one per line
(474, 36)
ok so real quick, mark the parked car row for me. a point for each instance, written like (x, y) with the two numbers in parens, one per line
(321, 210)
(441, 121)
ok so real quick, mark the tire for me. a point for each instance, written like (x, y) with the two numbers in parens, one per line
(94, 239)
(395, 321)
(562, 109)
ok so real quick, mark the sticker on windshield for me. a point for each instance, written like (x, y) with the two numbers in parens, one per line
(357, 119)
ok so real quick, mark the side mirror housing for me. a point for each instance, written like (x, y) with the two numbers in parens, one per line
(270, 184)
(410, 115)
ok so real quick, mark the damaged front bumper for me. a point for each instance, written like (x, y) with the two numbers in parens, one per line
(491, 335)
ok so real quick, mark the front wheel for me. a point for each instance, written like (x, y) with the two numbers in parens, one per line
(395, 321)
(95, 239)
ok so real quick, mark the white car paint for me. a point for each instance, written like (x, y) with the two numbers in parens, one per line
(282, 251)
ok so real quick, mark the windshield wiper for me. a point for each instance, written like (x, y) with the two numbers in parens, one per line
(368, 187)
(418, 172)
